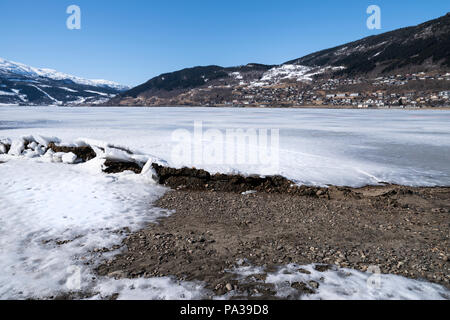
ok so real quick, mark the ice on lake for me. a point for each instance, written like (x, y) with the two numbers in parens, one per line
(317, 147)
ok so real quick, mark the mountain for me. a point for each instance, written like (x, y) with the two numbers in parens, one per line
(212, 85)
(414, 49)
(408, 54)
(166, 86)
(24, 85)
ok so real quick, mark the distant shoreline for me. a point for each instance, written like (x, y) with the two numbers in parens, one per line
(251, 107)
(240, 107)
(282, 107)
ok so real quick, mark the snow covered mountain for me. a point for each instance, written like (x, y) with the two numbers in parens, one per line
(24, 85)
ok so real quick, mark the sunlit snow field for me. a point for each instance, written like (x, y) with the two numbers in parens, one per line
(42, 203)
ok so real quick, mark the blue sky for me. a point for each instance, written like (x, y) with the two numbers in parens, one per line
(132, 41)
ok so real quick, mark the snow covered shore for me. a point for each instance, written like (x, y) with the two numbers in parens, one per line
(61, 216)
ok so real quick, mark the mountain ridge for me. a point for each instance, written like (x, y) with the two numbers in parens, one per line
(409, 50)
(21, 84)
(431, 40)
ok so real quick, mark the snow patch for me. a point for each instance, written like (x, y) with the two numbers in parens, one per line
(53, 217)
(96, 92)
(237, 75)
(163, 288)
(69, 158)
(5, 93)
(291, 72)
(346, 284)
(68, 89)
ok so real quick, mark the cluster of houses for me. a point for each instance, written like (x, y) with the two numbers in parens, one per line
(382, 92)
(404, 79)
(266, 95)
(292, 96)
(381, 99)
(392, 80)
(394, 91)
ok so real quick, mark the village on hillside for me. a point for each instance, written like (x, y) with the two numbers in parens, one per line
(395, 91)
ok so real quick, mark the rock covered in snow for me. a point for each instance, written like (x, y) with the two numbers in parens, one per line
(69, 158)
(45, 141)
(149, 172)
(111, 158)
(26, 146)
(17, 147)
(57, 156)
(49, 154)
(33, 145)
(4, 145)
(29, 153)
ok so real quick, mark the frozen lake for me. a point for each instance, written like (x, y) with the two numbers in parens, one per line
(341, 147)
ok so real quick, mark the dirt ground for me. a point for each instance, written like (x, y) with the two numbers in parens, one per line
(403, 230)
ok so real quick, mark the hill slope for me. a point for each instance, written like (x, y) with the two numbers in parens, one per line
(419, 48)
(170, 85)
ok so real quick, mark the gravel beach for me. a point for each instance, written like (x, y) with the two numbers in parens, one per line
(402, 230)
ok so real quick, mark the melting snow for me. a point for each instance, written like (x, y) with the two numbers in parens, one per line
(343, 283)
(53, 216)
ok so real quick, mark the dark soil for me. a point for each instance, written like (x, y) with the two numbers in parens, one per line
(402, 230)
(85, 153)
(201, 180)
(7, 146)
(120, 166)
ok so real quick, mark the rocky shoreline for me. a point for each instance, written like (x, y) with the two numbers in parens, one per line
(401, 230)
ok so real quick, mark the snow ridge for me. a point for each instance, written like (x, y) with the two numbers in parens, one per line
(21, 69)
